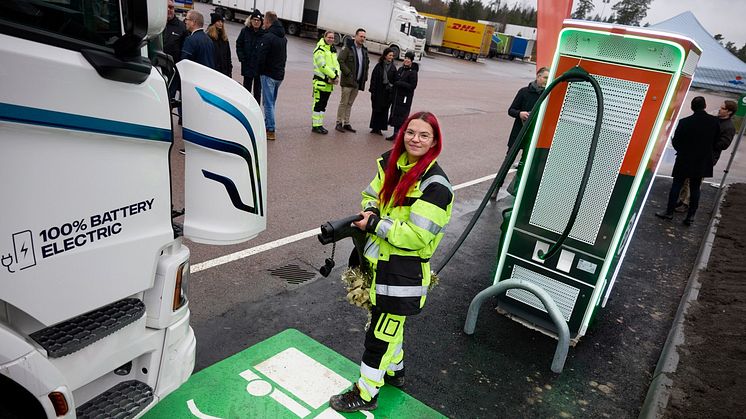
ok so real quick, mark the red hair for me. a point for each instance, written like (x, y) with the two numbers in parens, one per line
(396, 188)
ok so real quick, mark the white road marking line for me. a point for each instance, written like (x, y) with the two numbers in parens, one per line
(196, 412)
(222, 260)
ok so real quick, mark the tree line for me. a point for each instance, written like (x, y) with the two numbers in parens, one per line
(625, 12)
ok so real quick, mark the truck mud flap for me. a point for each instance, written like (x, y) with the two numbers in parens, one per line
(77, 333)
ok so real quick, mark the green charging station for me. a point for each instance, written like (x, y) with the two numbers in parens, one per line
(583, 183)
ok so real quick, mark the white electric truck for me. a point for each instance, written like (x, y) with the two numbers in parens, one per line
(388, 23)
(94, 315)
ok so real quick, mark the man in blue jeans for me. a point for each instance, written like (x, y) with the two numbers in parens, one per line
(272, 56)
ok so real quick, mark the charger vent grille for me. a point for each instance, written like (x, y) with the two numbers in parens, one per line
(565, 296)
(563, 172)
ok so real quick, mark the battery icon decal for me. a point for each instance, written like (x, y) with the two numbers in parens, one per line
(23, 244)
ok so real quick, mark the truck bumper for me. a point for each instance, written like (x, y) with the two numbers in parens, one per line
(177, 363)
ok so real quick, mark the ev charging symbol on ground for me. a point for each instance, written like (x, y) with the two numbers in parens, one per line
(287, 376)
(23, 253)
(295, 373)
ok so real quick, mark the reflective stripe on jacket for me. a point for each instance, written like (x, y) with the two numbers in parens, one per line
(325, 66)
(405, 238)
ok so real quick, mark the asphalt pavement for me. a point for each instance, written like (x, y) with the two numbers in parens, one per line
(503, 369)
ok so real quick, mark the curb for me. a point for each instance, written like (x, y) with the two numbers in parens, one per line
(659, 391)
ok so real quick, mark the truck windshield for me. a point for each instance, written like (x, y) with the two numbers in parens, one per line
(419, 33)
(96, 22)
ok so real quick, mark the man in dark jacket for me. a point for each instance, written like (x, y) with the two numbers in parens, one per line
(404, 85)
(247, 47)
(727, 129)
(694, 141)
(353, 62)
(271, 61)
(524, 101)
(174, 34)
(198, 46)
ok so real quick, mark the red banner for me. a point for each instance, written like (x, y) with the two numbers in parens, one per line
(551, 13)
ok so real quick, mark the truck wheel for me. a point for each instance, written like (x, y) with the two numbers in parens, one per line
(20, 403)
(228, 15)
(293, 29)
(467, 56)
(396, 51)
(455, 53)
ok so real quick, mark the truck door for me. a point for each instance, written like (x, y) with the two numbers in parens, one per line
(85, 132)
(225, 191)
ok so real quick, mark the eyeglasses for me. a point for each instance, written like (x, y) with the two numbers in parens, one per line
(423, 136)
(188, 19)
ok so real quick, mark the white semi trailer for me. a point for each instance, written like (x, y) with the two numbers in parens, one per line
(388, 23)
(94, 314)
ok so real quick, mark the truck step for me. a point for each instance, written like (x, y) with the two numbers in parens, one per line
(124, 400)
(77, 333)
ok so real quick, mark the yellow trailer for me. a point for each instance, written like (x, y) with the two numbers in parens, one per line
(467, 39)
(462, 38)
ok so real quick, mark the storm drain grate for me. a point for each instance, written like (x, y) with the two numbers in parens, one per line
(293, 274)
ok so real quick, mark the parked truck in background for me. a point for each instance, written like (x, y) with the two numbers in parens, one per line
(461, 38)
(183, 6)
(388, 23)
(94, 310)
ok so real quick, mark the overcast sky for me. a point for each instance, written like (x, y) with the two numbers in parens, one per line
(727, 17)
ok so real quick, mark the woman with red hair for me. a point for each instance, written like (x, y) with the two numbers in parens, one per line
(405, 209)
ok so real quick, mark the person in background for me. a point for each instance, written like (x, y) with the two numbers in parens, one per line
(216, 32)
(325, 76)
(247, 46)
(405, 208)
(271, 59)
(198, 47)
(174, 35)
(694, 141)
(520, 109)
(727, 129)
(354, 62)
(524, 101)
(406, 82)
(381, 91)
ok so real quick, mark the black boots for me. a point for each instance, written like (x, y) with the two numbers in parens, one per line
(352, 402)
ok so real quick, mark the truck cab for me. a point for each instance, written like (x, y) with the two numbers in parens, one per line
(94, 308)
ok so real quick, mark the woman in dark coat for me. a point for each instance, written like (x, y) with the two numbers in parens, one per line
(406, 82)
(381, 91)
(216, 32)
(247, 46)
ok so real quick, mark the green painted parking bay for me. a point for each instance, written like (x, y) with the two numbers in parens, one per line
(288, 375)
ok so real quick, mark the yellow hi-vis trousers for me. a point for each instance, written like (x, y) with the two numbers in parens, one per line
(383, 354)
(321, 93)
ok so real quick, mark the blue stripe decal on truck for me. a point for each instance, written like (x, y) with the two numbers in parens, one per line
(232, 190)
(63, 120)
(231, 110)
(227, 147)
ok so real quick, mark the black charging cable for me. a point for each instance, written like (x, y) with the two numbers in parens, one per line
(575, 74)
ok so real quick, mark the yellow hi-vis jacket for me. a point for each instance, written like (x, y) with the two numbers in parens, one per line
(325, 66)
(402, 239)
